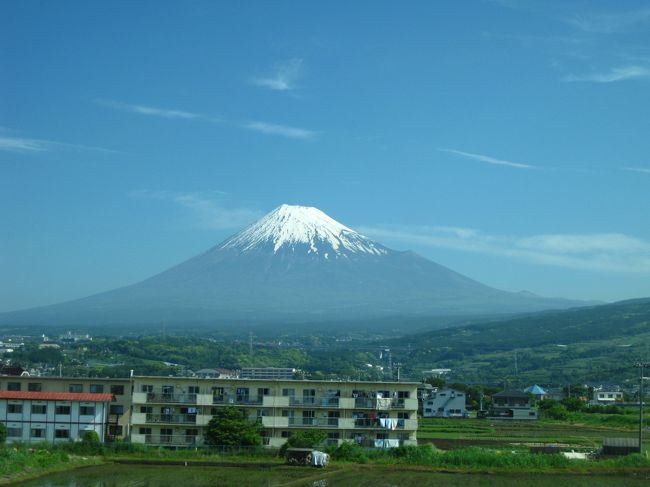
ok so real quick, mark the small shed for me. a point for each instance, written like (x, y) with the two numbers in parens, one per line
(620, 446)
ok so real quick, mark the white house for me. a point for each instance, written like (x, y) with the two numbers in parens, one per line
(445, 403)
(52, 416)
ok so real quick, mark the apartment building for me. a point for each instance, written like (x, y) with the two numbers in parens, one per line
(445, 403)
(174, 411)
(34, 417)
(118, 411)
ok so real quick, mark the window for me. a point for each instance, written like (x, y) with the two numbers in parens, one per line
(167, 389)
(118, 390)
(146, 409)
(193, 389)
(96, 388)
(144, 431)
(35, 387)
(62, 410)
(13, 386)
(146, 388)
(308, 417)
(263, 391)
(403, 415)
(37, 433)
(285, 434)
(75, 388)
(87, 410)
(14, 432)
(61, 434)
(14, 408)
(39, 408)
(289, 392)
(116, 409)
(242, 394)
(403, 394)
(309, 396)
(115, 429)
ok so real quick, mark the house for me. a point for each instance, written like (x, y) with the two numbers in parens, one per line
(445, 403)
(536, 391)
(606, 397)
(511, 405)
(34, 417)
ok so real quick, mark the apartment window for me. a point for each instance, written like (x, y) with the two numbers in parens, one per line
(146, 409)
(262, 412)
(39, 408)
(61, 434)
(193, 389)
(75, 388)
(242, 394)
(96, 388)
(403, 415)
(263, 391)
(166, 435)
(308, 417)
(144, 431)
(285, 434)
(14, 408)
(289, 392)
(118, 390)
(115, 429)
(14, 432)
(167, 389)
(87, 410)
(403, 394)
(37, 433)
(288, 413)
(116, 409)
(34, 387)
(192, 432)
(309, 396)
(148, 388)
(62, 410)
(333, 437)
(13, 386)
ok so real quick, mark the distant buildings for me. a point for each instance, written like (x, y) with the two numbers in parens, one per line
(511, 405)
(445, 403)
(270, 373)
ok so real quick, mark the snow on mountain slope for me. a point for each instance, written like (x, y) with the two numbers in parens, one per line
(290, 227)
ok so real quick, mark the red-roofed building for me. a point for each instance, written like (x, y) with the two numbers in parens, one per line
(53, 416)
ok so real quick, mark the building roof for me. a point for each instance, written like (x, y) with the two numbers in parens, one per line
(535, 389)
(510, 394)
(56, 396)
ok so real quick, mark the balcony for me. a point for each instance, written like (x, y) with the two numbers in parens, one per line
(312, 401)
(171, 398)
(172, 418)
(314, 422)
(173, 440)
(243, 400)
(378, 423)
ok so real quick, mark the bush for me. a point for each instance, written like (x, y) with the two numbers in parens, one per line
(304, 439)
(350, 452)
(3, 433)
(557, 411)
(90, 437)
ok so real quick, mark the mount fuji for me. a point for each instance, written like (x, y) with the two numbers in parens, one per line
(295, 263)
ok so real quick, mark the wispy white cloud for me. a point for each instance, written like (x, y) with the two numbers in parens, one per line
(257, 126)
(207, 210)
(21, 144)
(610, 22)
(149, 110)
(609, 252)
(637, 169)
(487, 159)
(283, 130)
(615, 74)
(284, 77)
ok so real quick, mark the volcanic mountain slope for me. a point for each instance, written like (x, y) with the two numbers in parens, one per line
(295, 263)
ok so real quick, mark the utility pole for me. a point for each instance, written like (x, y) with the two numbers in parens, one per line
(399, 366)
(641, 366)
(250, 343)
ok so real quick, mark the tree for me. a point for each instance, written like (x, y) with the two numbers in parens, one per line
(231, 427)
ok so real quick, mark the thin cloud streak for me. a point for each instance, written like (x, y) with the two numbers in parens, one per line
(637, 169)
(487, 159)
(607, 252)
(206, 208)
(149, 110)
(610, 22)
(256, 126)
(283, 130)
(615, 74)
(284, 78)
(25, 145)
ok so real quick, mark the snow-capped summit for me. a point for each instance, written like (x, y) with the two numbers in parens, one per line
(293, 228)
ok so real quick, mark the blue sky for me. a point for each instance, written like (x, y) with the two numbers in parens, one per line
(507, 140)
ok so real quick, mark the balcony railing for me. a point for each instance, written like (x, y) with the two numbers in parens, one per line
(227, 399)
(314, 422)
(378, 403)
(172, 418)
(176, 398)
(313, 401)
(378, 423)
